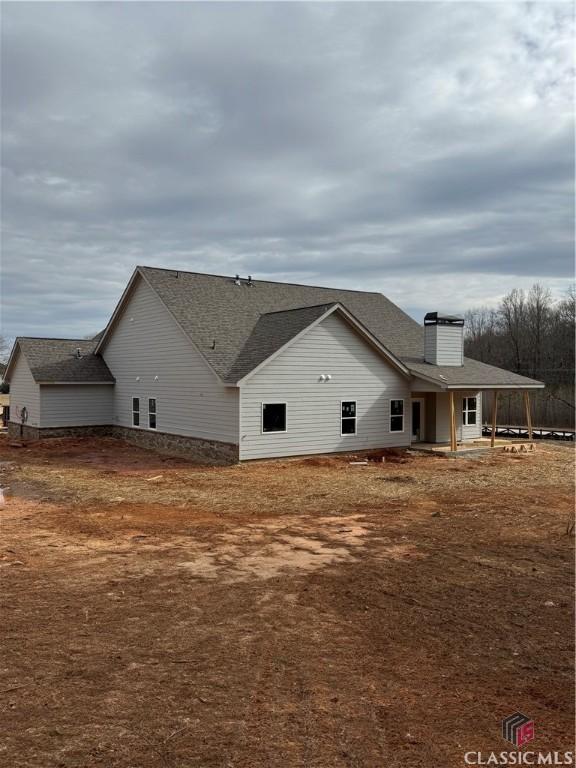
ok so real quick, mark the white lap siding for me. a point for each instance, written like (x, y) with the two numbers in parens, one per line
(24, 393)
(75, 405)
(468, 432)
(151, 357)
(313, 408)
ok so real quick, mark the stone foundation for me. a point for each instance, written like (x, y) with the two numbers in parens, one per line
(194, 448)
(202, 451)
(39, 433)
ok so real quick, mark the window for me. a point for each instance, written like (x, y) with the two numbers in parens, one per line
(273, 417)
(348, 417)
(152, 413)
(135, 411)
(396, 415)
(469, 408)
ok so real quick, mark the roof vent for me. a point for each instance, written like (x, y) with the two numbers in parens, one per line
(250, 283)
(78, 352)
(237, 280)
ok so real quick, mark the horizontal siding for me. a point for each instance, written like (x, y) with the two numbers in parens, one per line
(443, 417)
(444, 344)
(76, 405)
(24, 392)
(313, 407)
(151, 357)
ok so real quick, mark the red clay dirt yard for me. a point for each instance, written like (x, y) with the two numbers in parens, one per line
(306, 612)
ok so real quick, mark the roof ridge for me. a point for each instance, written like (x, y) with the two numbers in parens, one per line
(299, 309)
(257, 280)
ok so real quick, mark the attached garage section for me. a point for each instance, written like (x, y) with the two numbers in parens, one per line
(75, 405)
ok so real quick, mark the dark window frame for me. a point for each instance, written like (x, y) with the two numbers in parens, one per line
(400, 416)
(135, 411)
(348, 419)
(264, 431)
(152, 413)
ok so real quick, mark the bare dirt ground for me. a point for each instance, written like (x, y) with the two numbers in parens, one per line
(289, 613)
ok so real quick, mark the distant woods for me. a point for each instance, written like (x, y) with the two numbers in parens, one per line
(533, 335)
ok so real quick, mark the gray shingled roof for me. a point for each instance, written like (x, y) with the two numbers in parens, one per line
(221, 317)
(472, 373)
(53, 360)
(270, 333)
(236, 327)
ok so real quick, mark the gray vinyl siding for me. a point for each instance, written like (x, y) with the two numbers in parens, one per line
(444, 344)
(24, 392)
(443, 417)
(75, 405)
(313, 408)
(151, 357)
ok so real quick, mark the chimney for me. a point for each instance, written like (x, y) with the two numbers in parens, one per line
(443, 339)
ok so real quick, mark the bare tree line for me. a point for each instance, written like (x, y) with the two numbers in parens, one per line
(532, 334)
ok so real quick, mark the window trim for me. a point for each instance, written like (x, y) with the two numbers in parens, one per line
(466, 411)
(396, 416)
(153, 413)
(349, 418)
(275, 431)
(133, 411)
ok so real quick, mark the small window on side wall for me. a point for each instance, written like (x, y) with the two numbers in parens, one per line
(152, 413)
(135, 411)
(273, 417)
(469, 410)
(348, 417)
(396, 415)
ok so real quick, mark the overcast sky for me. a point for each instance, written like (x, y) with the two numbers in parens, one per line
(424, 150)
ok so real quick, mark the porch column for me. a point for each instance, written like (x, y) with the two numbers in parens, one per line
(453, 445)
(528, 413)
(494, 415)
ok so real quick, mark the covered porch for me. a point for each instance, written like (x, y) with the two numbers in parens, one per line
(448, 420)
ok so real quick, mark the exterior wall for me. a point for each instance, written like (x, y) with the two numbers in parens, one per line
(443, 417)
(313, 407)
(444, 344)
(151, 357)
(24, 392)
(70, 405)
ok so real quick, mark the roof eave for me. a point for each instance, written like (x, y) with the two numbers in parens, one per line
(138, 271)
(117, 310)
(11, 359)
(520, 387)
(69, 383)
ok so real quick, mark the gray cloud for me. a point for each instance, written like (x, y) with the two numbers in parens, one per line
(422, 149)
